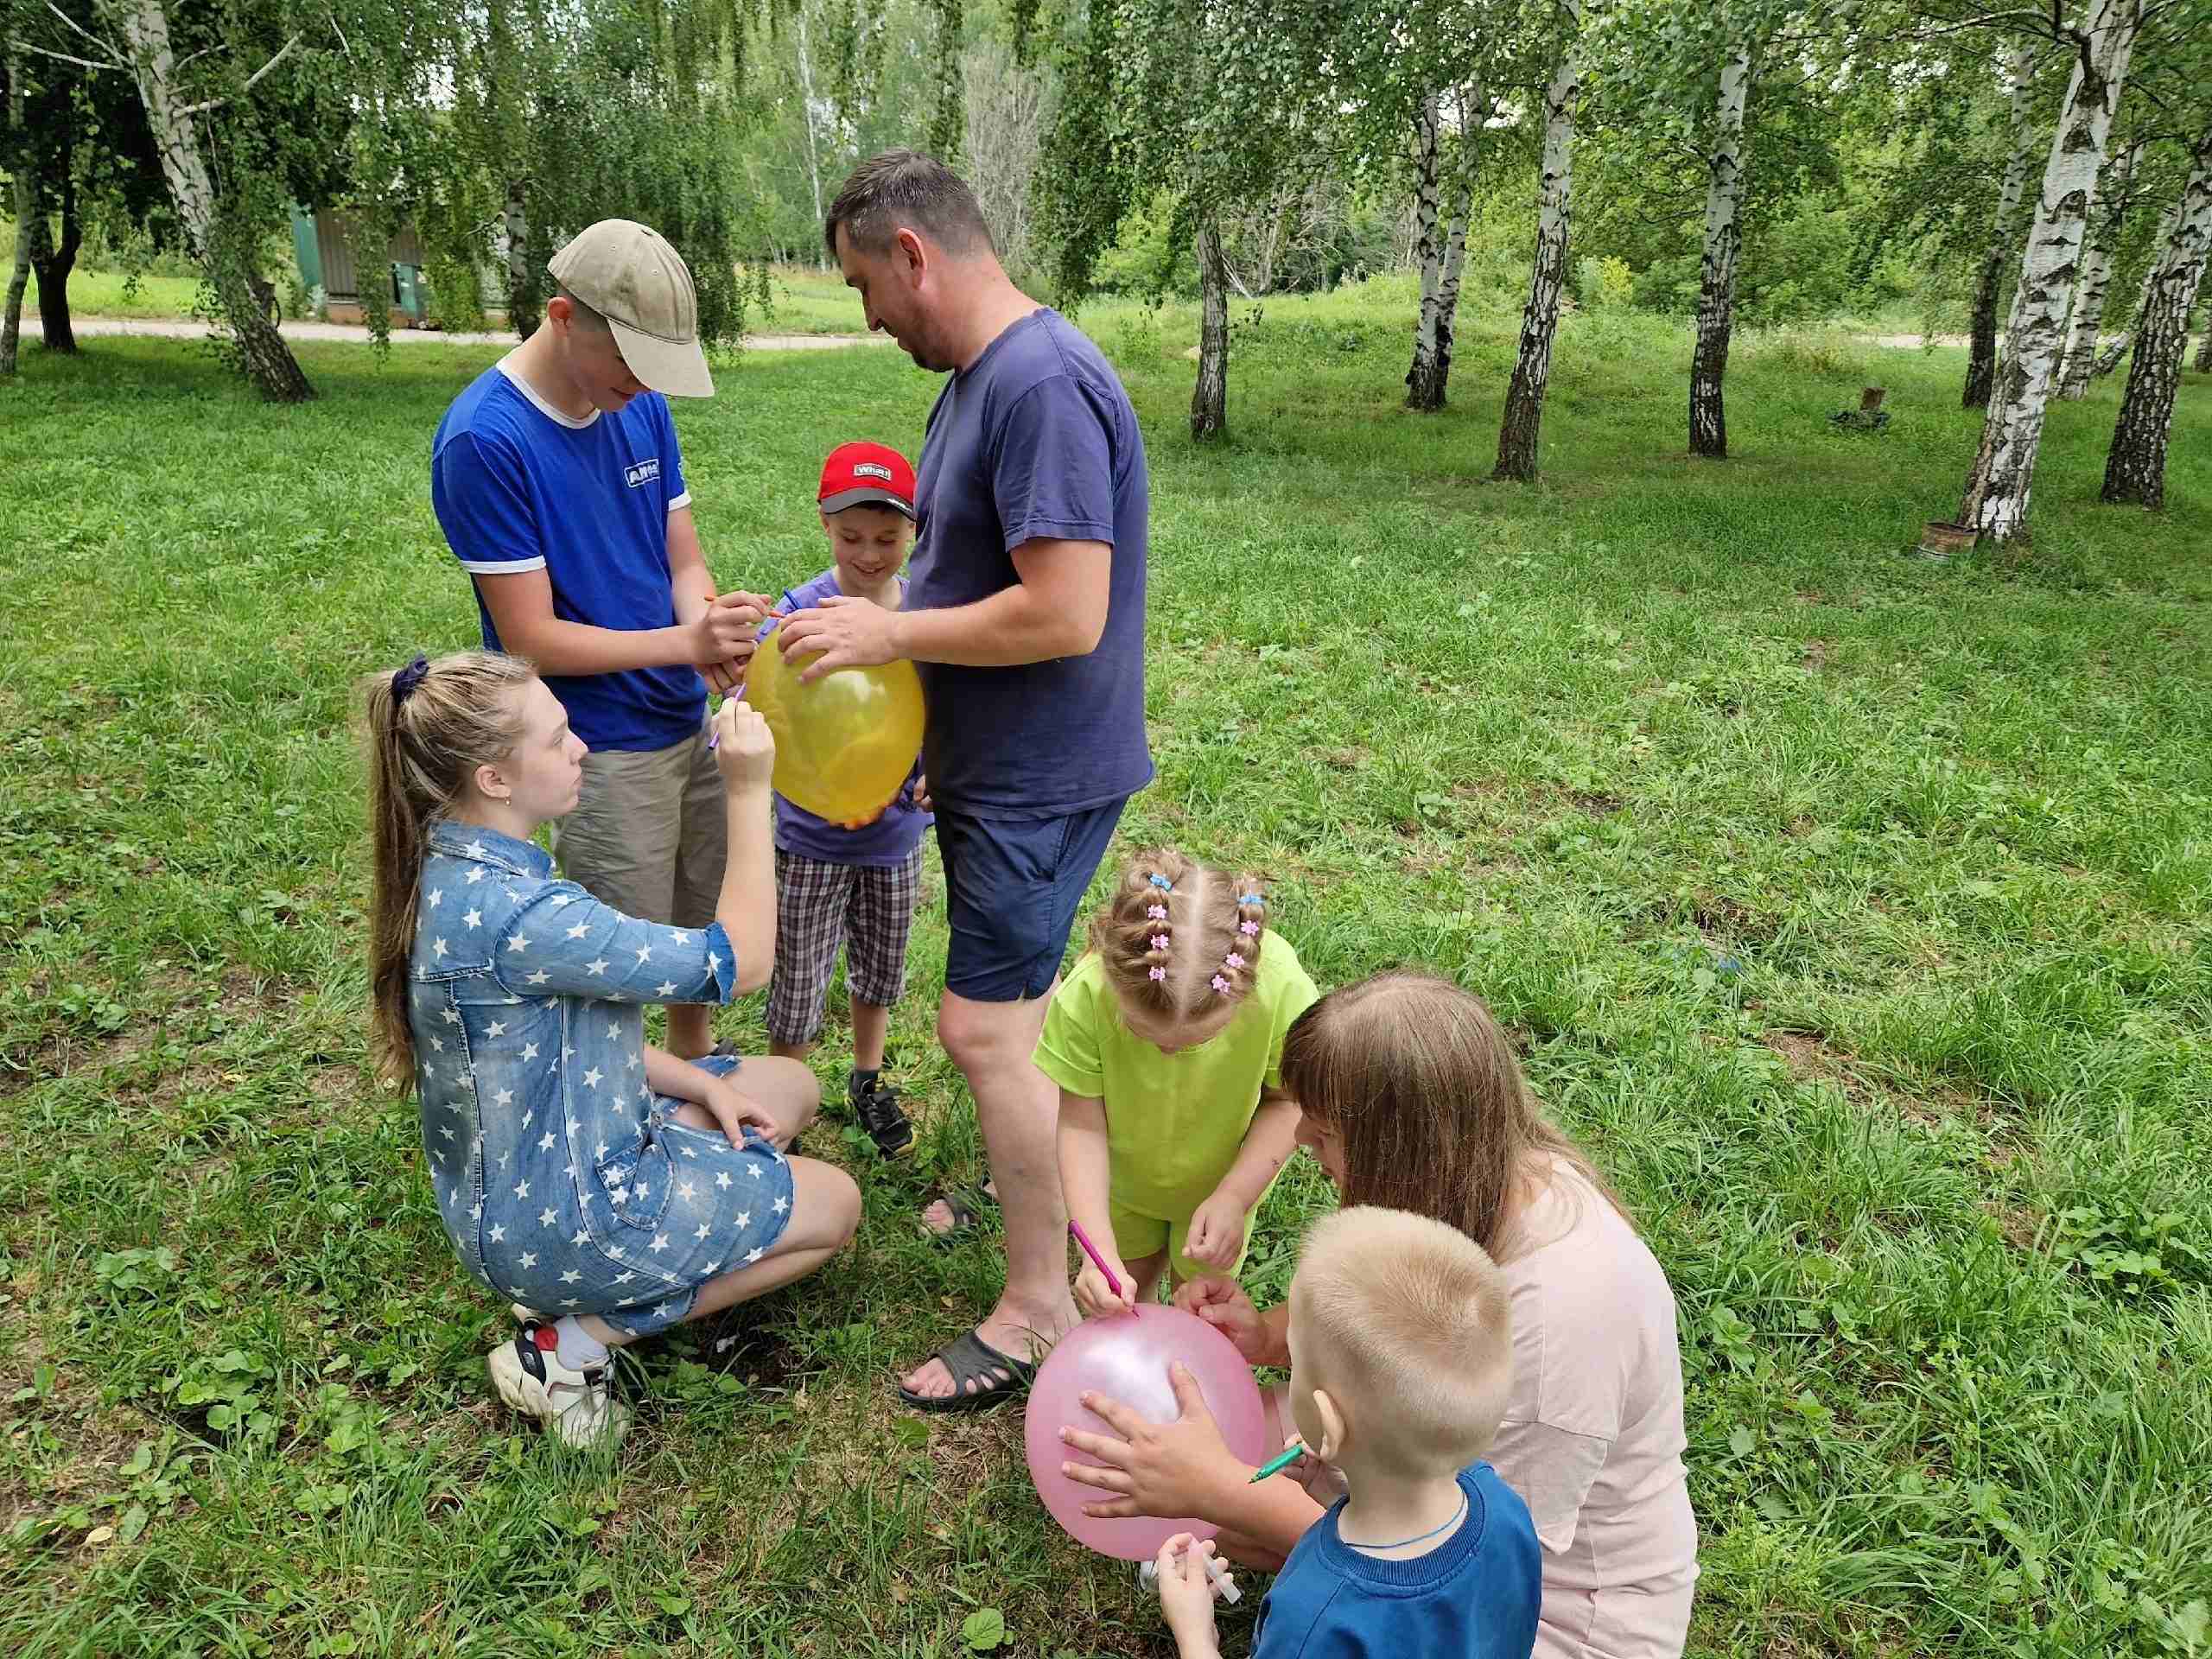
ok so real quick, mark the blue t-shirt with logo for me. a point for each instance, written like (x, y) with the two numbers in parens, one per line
(1033, 439)
(519, 486)
(883, 844)
(1475, 1595)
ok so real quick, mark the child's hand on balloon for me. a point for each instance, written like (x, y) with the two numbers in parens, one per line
(744, 748)
(1095, 1299)
(1222, 1304)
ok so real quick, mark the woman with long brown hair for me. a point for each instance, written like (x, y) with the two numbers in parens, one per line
(608, 1188)
(1412, 1098)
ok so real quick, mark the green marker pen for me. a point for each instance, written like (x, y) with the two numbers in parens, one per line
(1280, 1462)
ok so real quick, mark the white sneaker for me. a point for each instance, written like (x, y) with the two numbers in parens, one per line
(525, 1315)
(577, 1408)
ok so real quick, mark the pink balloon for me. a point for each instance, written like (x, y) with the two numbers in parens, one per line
(1126, 1357)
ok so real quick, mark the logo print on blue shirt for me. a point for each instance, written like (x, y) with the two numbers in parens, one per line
(644, 473)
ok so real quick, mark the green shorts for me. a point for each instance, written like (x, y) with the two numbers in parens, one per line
(1136, 1236)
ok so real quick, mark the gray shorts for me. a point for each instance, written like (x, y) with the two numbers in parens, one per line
(650, 832)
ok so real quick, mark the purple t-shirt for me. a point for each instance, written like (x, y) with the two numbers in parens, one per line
(1035, 438)
(873, 846)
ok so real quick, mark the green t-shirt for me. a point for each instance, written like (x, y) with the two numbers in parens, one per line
(1174, 1122)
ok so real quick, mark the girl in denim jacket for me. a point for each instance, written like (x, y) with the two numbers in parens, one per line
(609, 1189)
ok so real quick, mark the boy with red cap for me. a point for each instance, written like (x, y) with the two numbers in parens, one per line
(853, 885)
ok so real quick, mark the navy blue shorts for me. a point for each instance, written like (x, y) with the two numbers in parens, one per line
(1012, 889)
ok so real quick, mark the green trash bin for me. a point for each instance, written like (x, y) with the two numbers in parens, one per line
(410, 293)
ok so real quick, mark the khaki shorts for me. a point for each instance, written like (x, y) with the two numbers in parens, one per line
(650, 833)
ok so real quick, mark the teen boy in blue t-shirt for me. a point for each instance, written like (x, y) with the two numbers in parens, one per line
(557, 480)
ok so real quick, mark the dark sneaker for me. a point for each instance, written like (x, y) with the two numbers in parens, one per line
(878, 1109)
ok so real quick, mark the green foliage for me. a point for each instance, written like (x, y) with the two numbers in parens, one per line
(1580, 747)
(2130, 1252)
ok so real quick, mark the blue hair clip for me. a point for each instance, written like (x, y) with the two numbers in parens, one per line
(1162, 883)
(1250, 899)
(404, 682)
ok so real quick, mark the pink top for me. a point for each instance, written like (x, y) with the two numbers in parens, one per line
(1592, 1437)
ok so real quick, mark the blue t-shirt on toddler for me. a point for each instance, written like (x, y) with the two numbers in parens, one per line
(883, 844)
(1474, 1597)
(1034, 439)
(519, 486)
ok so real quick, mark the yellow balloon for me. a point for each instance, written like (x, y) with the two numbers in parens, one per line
(844, 744)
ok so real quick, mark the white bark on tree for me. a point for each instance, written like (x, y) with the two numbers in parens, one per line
(2108, 359)
(2078, 359)
(1724, 241)
(1428, 377)
(1428, 245)
(1210, 398)
(268, 362)
(2135, 468)
(813, 150)
(1523, 424)
(1995, 503)
(2004, 233)
(12, 322)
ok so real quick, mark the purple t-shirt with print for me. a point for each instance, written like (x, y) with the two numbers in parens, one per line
(879, 845)
(1035, 439)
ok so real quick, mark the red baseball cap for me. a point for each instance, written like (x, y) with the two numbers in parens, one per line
(867, 475)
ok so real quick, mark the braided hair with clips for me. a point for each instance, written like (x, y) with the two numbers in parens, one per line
(1179, 939)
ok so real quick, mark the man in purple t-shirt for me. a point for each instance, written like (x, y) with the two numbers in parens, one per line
(1024, 618)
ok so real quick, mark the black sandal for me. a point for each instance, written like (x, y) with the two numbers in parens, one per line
(970, 1359)
(969, 1204)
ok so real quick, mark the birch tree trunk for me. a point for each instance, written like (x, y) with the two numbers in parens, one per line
(806, 114)
(1210, 399)
(2135, 468)
(2079, 360)
(54, 261)
(2204, 351)
(1523, 422)
(525, 295)
(1724, 240)
(267, 360)
(1426, 380)
(26, 205)
(1428, 247)
(2108, 359)
(2004, 235)
(1995, 505)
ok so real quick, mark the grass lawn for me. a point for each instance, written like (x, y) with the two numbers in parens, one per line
(1853, 908)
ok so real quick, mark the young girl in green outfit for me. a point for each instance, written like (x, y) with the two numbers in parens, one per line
(1166, 1043)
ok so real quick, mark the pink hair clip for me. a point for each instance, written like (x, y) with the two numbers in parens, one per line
(1249, 930)
(1233, 960)
(1159, 941)
(1157, 973)
(1156, 912)
(1221, 984)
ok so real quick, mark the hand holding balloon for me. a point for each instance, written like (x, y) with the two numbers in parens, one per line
(844, 743)
(1188, 1430)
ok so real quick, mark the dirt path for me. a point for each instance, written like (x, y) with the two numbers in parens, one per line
(181, 328)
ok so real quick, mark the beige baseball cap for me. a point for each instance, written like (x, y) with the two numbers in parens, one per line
(629, 274)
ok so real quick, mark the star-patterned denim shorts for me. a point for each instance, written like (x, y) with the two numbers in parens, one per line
(658, 1215)
(564, 1180)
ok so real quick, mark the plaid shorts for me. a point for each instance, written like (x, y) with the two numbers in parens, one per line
(819, 906)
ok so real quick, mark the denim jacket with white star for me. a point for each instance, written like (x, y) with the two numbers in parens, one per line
(527, 1010)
